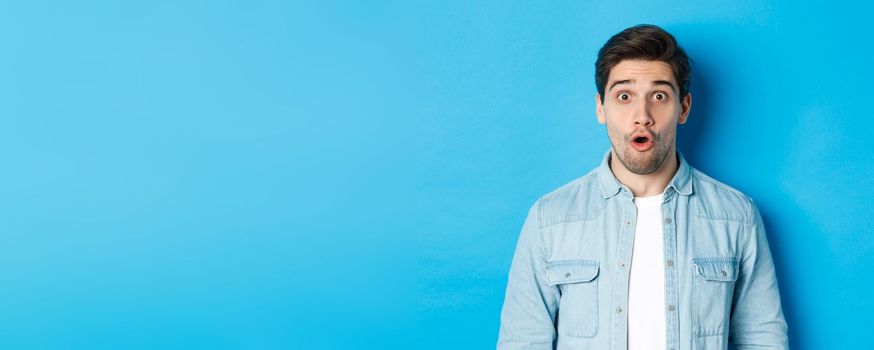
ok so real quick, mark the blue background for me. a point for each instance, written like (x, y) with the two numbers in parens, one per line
(266, 174)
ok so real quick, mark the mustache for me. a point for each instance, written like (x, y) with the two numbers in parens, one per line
(653, 135)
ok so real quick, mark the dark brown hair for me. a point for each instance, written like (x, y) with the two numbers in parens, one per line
(646, 42)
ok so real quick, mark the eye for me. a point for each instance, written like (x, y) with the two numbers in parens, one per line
(623, 96)
(659, 96)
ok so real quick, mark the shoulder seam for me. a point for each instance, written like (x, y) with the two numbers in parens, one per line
(580, 179)
(747, 220)
(706, 178)
(540, 240)
(750, 214)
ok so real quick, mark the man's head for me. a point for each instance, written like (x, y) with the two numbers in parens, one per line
(642, 76)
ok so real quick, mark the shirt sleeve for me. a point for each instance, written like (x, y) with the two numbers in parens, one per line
(757, 320)
(530, 303)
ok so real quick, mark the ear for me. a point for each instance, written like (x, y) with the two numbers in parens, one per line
(686, 106)
(599, 109)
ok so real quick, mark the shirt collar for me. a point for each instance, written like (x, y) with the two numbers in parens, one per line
(681, 182)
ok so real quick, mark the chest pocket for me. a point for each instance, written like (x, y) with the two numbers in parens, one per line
(713, 288)
(578, 308)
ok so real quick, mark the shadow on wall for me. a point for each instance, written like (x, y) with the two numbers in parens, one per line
(691, 136)
(778, 232)
(692, 141)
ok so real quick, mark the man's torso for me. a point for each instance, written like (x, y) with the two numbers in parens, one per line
(587, 229)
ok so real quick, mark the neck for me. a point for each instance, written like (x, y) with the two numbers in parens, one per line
(650, 184)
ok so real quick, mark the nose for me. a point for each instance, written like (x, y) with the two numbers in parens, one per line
(642, 115)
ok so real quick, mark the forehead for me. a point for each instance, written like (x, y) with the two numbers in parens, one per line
(641, 72)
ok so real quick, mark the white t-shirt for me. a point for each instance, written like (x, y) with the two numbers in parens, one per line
(646, 286)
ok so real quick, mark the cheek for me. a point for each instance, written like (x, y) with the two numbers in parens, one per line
(615, 116)
(667, 115)
(614, 134)
(667, 135)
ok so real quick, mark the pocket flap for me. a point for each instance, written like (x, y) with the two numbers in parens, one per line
(571, 271)
(716, 269)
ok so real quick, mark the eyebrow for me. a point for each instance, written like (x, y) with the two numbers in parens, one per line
(632, 81)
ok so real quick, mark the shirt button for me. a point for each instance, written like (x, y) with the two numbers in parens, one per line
(618, 310)
(567, 275)
(670, 262)
(621, 265)
(667, 220)
(670, 307)
(723, 273)
(627, 222)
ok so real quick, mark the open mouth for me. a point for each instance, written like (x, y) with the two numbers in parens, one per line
(642, 142)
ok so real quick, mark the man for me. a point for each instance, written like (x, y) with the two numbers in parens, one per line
(644, 252)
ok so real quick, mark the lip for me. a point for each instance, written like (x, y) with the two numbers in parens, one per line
(642, 147)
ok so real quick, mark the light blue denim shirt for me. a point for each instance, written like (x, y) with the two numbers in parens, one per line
(568, 283)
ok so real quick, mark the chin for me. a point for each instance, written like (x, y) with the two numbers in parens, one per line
(642, 163)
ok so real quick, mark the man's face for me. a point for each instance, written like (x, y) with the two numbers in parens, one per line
(641, 109)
